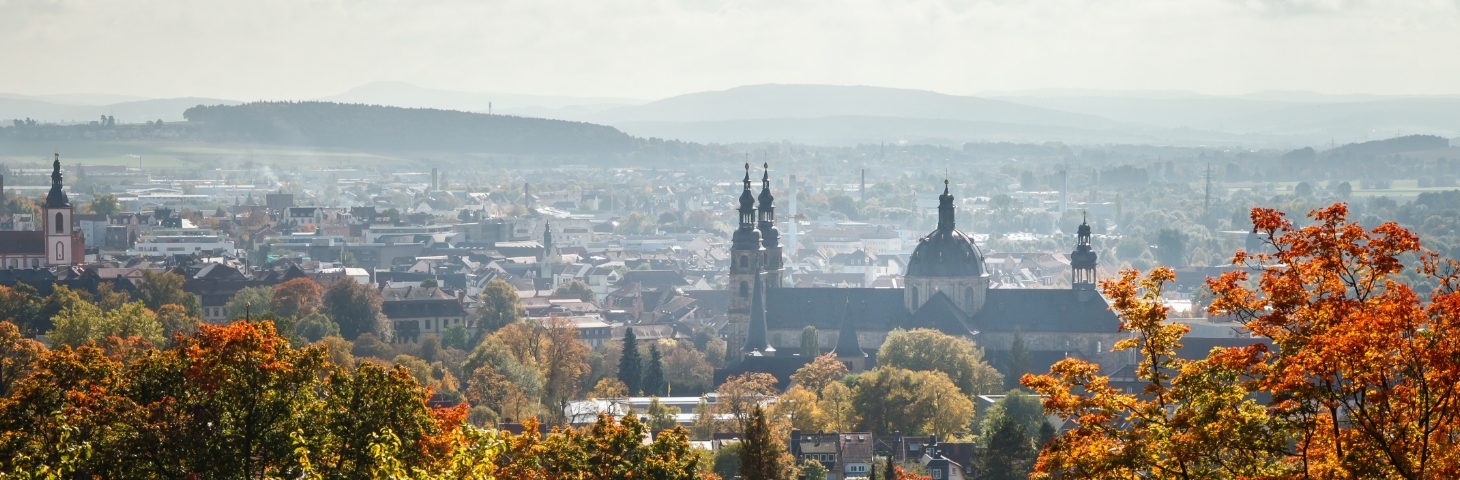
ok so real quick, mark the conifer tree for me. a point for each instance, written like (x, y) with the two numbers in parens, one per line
(760, 455)
(630, 365)
(1009, 455)
(654, 376)
(1018, 363)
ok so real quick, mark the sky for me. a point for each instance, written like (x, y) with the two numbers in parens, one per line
(651, 49)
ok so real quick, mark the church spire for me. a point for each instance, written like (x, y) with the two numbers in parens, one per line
(1083, 260)
(56, 198)
(770, 237)
(847, 343)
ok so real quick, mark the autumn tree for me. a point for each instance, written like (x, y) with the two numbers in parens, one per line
(836, 407)
(158, 289)
(820, 372)
(295, 298)
(660, 416)
(930, 350)
(17, 356)
(499, 306)
(742, 394)
(21, 305)
(355, 308)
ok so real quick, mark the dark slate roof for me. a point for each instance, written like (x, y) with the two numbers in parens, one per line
(23, 243)
(1045, 310)
(654, 278)
(780, 367)
(939, 313)
(877, 309)
(946, 252)
(710, 302)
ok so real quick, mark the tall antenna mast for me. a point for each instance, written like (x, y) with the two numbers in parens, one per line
(1207, 205)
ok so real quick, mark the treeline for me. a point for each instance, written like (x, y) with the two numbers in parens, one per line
(326, 124)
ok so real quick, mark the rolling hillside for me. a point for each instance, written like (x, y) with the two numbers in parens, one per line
(325, 124)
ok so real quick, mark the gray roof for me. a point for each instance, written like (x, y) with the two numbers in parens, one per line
(1045, 310)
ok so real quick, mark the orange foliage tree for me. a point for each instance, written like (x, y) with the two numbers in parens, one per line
(1360, 381)
(295, 298)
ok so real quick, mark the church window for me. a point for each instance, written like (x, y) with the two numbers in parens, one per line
(915, 298)
(744, 262)
(968, 298)
(60, 251)
(744, 289)
(59, 220)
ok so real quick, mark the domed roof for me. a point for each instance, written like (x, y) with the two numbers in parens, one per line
(946, 252)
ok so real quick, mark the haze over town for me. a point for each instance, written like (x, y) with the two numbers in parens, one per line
(729, 239)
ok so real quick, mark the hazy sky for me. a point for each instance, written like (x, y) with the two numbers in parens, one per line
(290, 49)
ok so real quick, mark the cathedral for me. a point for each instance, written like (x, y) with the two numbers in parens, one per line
(946, 287)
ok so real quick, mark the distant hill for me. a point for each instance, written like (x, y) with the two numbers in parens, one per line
(1411, 143)
(39, 109)
(401, 94)
(327, 124)
(815, 101)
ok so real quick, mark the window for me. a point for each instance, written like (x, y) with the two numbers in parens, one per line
(60, 219)
(968, 298)
(937, 473)
(915, 298)
(744, 262)
(60, 251)
(744, 289)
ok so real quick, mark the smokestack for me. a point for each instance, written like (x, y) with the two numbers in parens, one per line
(435, 179)
(864, 185)
(1064, 191)
(527, 194)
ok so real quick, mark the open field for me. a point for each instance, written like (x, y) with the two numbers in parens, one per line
(164, 154)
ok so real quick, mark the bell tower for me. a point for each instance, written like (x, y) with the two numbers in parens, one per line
(770, 237)
(56, 217)
(1083, 260)
(745, 267)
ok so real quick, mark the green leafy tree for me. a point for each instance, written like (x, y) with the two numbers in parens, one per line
(810, 342)
(158, 289)
(104, 204)
(813, 470)
(455, 336)
(660, 416)
(355, 307)
(499, 306)
(257, 300)
(429, 283)
(579, 289)
(630, 365)
(1171, 247)
(21, 305)
(316, 326)
(915, 402)
(930, 350)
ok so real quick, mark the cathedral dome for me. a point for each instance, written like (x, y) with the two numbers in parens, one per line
(946, 252)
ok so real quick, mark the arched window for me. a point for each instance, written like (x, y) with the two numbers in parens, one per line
(745, 262)
(60, 251)
(745, 289)
(60, 219)
(968, 299)
(916, 301)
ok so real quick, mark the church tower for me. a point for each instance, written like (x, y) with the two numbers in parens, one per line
(745, 254)
(545, 268)
(56, 217)
(770, 238)
(1082, 261)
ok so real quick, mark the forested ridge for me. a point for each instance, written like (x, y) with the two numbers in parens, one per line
(326, 124)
